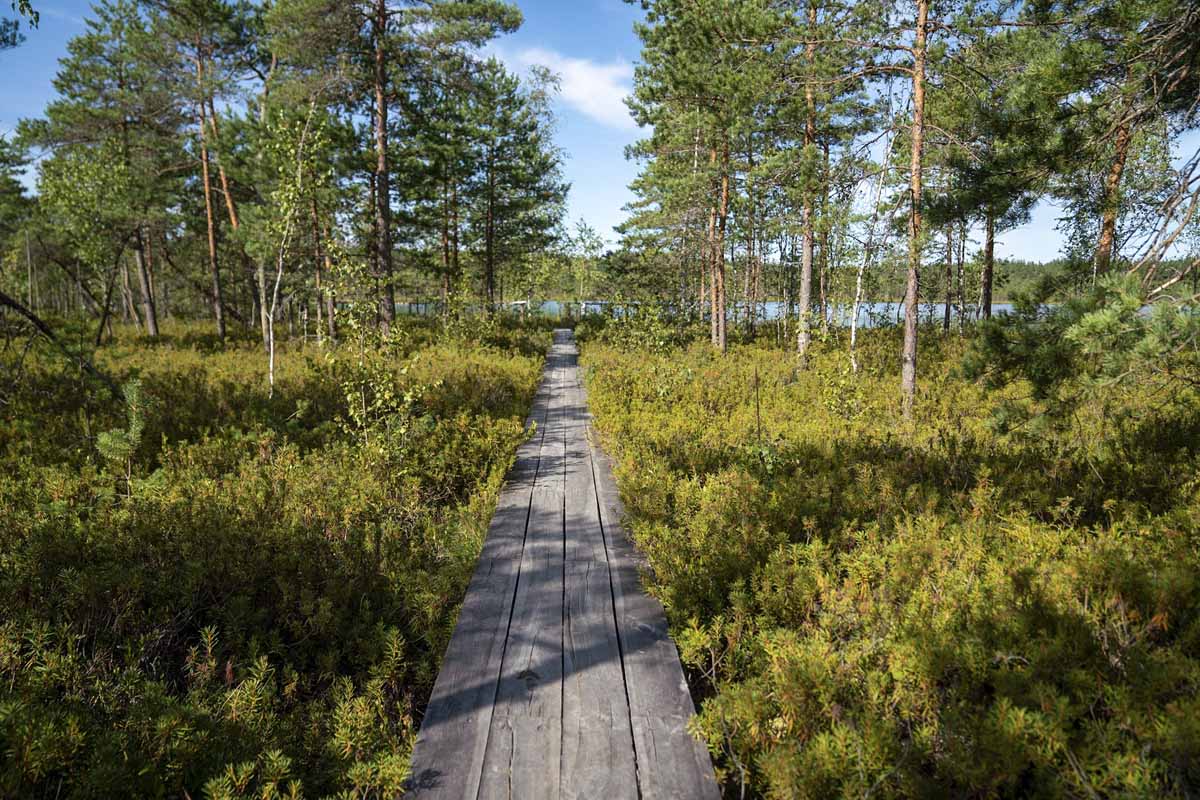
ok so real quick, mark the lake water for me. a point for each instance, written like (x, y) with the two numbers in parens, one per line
(870, 315)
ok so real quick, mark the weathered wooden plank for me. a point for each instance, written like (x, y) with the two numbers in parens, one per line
(531, 677)
(450, 748)
(523, 753)
(598, 754)
(653, 672)
(584, 537)
(560, 680)
(670, 762)
(523, 759)
(532, 666)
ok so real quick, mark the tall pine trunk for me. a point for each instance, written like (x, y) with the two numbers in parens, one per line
(960, 260)
(254, 275)
(139, 251)
(712, 257)
(908, 378)
(383, 193)
(128, 309)
(446, 284)
(144, 284)
(806, 212)
(751, 255)
(949, 288)
(230, 203)
(490, 234)
(325, 311)
(705, 267)
(210, 217)
(454, 230)
(719, 250)
(989, 265)
(824, 271)
(1111, 200)
(804, 303)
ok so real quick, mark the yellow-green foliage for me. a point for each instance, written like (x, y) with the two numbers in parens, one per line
(254, 603)
(875, 609)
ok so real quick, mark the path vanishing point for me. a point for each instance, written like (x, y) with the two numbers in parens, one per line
(560, 680)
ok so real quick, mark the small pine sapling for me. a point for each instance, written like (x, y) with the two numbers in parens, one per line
(118, 447)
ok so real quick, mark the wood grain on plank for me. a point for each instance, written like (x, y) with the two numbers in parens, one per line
(450, 748)
(560, 680)
(598, 755)
(523, 753)
(671, 763)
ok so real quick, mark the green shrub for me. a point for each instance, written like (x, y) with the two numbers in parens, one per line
(250, 596)
(947, 608)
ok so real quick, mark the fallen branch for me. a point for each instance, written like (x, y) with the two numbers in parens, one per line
(49, 334)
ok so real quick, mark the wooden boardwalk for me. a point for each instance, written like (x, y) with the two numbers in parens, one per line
(560, 680)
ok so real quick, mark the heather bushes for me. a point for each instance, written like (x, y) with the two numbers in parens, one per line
(242, 593)
(952, 608)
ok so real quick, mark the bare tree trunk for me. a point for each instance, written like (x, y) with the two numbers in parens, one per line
(719, 276)
(330, 302)
(823, 288)
(254, 274)
(144, 283)
(908, 380)
(318, 259)
(961, 260)
(260, 278)
(949, 278)
(446, 283)
(372, 243)
(230, 203)
(128, 308)
(214, 268)
(383, 193)
(454, 231)
(162, 308)
(706, 268)
(1111, 201)
(806, 211)
(989, 265)
(826, 234)
(490, 235)
(804, 303)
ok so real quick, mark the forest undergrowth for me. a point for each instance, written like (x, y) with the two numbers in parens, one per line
(959, 606)
(218, 590)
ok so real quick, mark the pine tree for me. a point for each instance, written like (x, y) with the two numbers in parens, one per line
(113, 100)
(518, 188)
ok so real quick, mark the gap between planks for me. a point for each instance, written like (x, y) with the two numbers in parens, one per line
(560, 680)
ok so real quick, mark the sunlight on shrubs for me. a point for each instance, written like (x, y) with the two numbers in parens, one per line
(226, 592)
(947, 610)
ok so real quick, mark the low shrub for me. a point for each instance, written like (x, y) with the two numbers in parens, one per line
(943, 608)
(253, 597)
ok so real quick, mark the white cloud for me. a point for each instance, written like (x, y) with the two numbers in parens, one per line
(59, 14)
(592, 88)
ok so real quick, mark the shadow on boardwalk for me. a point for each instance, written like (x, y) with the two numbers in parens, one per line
(560, 680)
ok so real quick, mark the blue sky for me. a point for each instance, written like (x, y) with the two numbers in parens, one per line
(589, 43)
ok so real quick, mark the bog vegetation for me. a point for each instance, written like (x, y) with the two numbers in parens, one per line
(956, 610)
(213, 588)
(261, 376)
